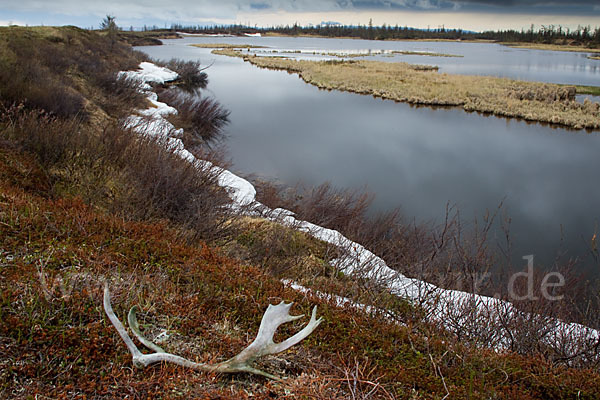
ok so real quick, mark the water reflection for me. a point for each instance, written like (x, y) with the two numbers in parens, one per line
(416, 158)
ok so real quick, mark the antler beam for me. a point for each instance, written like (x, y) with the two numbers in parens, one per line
(261, 346)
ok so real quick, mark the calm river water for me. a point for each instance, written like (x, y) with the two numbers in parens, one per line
(418, 159)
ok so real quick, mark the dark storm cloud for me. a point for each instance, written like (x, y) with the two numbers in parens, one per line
(259, 6)
(301, 5)
(564, 7)
(521, 3)
(557, 7)
(567, 7)
(378, 4)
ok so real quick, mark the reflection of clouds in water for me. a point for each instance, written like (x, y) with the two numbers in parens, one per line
(416, 158)
(478, 58)
(581, 98)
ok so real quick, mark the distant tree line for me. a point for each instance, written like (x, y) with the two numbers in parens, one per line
(551, 34)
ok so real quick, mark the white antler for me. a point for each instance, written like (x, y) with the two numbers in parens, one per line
(261, 346)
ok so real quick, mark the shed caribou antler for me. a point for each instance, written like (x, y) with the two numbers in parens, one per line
(261, 346)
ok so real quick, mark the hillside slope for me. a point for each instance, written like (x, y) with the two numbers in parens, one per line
(83, 200)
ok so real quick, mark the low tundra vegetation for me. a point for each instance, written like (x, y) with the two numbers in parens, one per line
(57, 342)
(69, 72)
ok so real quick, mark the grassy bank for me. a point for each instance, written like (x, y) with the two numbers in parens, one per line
(417, 84)
(147, 38)
(68, 72)
(342, 54)
(592, 90)
(225, 46)
(424, 53)
(552, 47)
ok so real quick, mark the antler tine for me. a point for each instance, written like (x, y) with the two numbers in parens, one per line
(298, 337)
(135, 352)
(143, 360)
(135, 328)
(272, 319)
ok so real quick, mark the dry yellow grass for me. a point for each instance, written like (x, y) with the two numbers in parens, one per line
(552, 47)
(350, 54)
(424, 53)
(594, 57)
(225, 46)
(417, 84)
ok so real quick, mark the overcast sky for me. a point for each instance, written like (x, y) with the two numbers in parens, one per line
(467, 14)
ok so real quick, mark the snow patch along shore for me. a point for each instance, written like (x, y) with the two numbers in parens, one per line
(150, 73)
(152, 122)
(443, 305)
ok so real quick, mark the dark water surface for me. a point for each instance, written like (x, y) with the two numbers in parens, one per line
(417, 158)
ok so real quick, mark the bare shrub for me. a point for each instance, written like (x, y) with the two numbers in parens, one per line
(453, 255)
(545, 93)
(51, 139)
(202, 118)
(122, 94)
(361, 380)
(136, 176)
(60, 71)
(165, 185)
(324, 205)
(58, 100)
(31, 84)
(191, 74)
(269, 193)
(54, 74)
(333, 207)
(444, 254)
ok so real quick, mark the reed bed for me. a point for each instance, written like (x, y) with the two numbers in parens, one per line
(225, 46)
(553, 47)
(424, 85)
